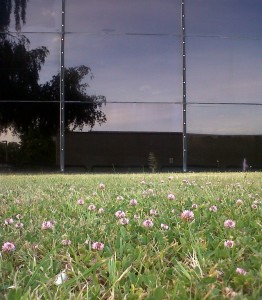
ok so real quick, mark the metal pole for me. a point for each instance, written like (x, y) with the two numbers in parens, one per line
(184, 107)
(62, 92)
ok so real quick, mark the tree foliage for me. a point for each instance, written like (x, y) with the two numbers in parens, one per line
(32, 110)
(19, 9)
(19, 68)
(81, 109)
(24, 103)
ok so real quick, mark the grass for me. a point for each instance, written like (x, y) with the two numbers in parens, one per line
(187, 261)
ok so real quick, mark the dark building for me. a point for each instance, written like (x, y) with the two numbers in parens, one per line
(129, 151)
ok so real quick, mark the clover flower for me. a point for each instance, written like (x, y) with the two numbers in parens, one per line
(102, 186)
(123, 221)
(153, 212)
(187, 215)
(119, 198)
(229, 243)
(194, 206)
(136, 216)
(120, 214)
(241, 271)
(148, 224)
(47, 225)
(164, 226)
(229, 224)
(239, 202)
(133, 202)
(213, 208)
(101, 210)
(97, 246)
(19, 225)
(80, 202)
(171, 197)
(91, 207)
(254, 206)
(66, 242)
(9, 221)
(8, 247)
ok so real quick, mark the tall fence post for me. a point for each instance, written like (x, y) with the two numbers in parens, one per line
(184, 107)
(62, 91)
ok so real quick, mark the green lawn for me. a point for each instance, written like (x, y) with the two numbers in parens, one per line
(85, 236)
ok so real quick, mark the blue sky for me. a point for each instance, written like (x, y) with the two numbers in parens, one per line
(134, 50)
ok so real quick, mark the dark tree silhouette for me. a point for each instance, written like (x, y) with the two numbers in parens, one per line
(19, 8)
(81, 109)
(19, 68)
(25, 105)
(31, 110)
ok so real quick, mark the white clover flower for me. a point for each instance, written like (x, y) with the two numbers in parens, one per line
(133, 202)
(171, 197)
(120, 214)
(229, 224)
(123, 221)
(164, 226)
(187, 215)
(148, 224)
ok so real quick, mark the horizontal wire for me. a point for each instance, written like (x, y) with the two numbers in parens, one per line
(238, 37)
(132, 102)
(86, 102)
(224, 103)
(93, 33)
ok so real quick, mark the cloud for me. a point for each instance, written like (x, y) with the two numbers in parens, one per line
(142, 117)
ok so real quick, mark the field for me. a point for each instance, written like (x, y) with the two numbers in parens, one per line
(135, 236)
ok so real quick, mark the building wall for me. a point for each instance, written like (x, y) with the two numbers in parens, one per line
(120, 149)
(129, 150)
(224, 151)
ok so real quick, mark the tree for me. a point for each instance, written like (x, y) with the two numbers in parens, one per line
(36, 107)
(28, 108)
(19, 8)
(19, 68)
(81, 109)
